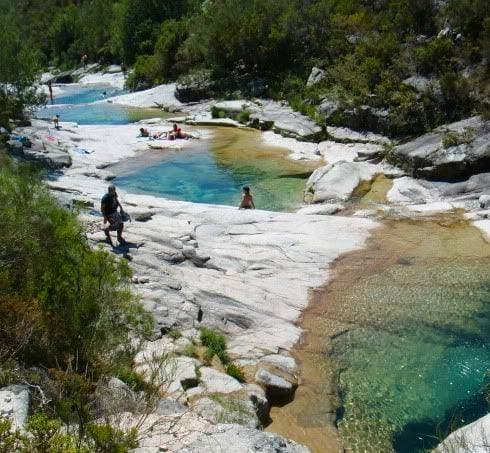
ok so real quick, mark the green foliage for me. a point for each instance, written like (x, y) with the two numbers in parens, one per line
(453, 138)
(243, 117)
(436, 57)
(131, 377)
(65, 34)
(75, 302)
(190, 351)
(215, 343)
(20, 64)
(235, 371)
(217, 113)
(175, 334)
(9, 440)
(108, 439)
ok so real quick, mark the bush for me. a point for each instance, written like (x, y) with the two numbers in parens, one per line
(69, 305)
(190, 351)
(236, 371)
(452, 138)
(215, 343)
(243, 117)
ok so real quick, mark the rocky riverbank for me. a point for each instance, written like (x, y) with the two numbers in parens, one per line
(244, 273)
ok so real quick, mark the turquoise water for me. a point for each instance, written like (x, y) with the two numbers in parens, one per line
(75, 95)
(79, 105)
(201, 175)
(415, 360)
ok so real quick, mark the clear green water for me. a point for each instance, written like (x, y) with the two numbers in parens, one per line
(79, 105)
(416, 357)
(214, 172)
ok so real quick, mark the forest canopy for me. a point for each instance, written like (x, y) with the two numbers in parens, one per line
(366, 48)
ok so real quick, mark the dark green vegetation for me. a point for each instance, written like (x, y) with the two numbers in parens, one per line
(268, 47)
(69, 321)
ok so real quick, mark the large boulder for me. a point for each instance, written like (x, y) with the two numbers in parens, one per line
(51, 157)
(338, 181)
(227, 409)
(15, 404)
(241, 439)
(276, 387)
(282, 119)
(214, 381)
(472, 438)
(316, 76)
(450, 152)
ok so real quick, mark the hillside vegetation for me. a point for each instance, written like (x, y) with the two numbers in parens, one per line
(367, 49)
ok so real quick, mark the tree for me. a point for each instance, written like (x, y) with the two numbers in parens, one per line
(19, 68)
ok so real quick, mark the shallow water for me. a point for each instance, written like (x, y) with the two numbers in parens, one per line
(403, 331)
(79, 105)
(215, 171)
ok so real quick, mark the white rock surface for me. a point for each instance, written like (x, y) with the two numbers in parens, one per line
(213, 381)
(348, 135)
(240, 439)
(15, 404)
(162, 95)
(337, 182)
(474, 438)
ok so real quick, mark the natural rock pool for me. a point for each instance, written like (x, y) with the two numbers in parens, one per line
(86, 106)
(214, 171)
(402, 331)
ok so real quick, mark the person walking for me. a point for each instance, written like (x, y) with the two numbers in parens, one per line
(109, 205)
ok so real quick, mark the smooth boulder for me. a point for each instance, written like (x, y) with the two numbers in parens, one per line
(450, 152)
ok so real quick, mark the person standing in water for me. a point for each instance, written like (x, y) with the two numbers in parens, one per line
(109, 206)
(247, 199)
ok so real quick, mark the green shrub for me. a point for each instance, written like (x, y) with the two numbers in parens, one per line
(61, 303)
(216, 344)
(190, 351)
(452, 138)
(217, 113)
(436, 57)
(108, 439)
(235, 371)
(175, 334)
(132, 378)
(207, 357)
(9, 440)
(243, 117)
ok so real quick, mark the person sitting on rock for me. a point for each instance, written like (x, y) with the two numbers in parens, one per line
(109, 205)
(247, 199)
(176, 132)
(144, 132)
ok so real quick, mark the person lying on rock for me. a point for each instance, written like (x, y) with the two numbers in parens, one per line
(247, 199)
(146, 133)
(108, 206)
